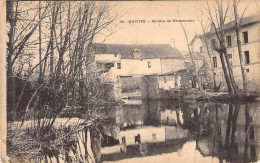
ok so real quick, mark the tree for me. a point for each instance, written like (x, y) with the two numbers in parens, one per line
(70, 78)
(241, 59)
(21, 30)
(205, 40)
(217, 18)
(20, 42)
(191, 56)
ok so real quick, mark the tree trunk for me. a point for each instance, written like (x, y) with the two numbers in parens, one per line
(232, 80)
(53, 21)
(237, 27)
(211, 65)
(212, 68)
(223, 51)
(86, 143)
(228, 75)
(40, 41)
(10, 44)
(193, 63)
(230, 90)
(95, 145)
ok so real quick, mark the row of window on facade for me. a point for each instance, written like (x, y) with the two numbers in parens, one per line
(247, 59)
(149, 65)
(229, 40)
(138, 138)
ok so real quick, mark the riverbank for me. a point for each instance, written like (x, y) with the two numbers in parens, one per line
(225, 97)
(196, 95)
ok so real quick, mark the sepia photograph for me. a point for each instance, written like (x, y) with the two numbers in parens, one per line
(130, 81)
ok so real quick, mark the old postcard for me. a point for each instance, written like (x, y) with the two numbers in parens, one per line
(130, 81)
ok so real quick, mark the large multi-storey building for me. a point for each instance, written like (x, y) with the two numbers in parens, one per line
(140, 59)
(250, 41)
(135, 68)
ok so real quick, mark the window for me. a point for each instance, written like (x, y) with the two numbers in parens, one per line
(213, 44)
(115, 55)
(107, 66)
(200, 49)
(123, 140)
(215, 64)
(164, 79)
(247, 57)
(229, 40)
(230, 59)
(138, 139)
(247, 70)
(154, 136)
(245, 36)
(118, 65)
(149, 64)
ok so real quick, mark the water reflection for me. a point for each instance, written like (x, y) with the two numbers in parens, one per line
(224, 132)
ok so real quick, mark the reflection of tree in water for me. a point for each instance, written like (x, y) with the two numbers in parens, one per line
(233, 136)
(246, 128)
(224, 131)
(152, 116)
(234, 145)
(249, 135)
(193, 117)
(230, 114)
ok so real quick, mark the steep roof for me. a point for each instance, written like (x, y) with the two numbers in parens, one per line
(172, 72)
(228, 26)
(245, 21)
(194, 38)
(253, 19)
(148, 51)
(196, 56)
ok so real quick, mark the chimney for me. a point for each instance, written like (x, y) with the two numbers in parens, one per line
(137, 54)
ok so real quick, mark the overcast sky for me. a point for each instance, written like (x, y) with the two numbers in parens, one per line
(158, 33)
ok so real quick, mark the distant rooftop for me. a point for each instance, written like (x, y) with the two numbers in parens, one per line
(245, 20)
(252, 19)
(195, 55)
(148, 51)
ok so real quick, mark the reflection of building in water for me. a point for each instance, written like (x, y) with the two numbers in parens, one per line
(147, 140)
(145, 135)
(152, 115)
(152, 149)
(130, 116)
(148, 113)
(132, 101)
(235, 130)
(150, 134)
(169, 117)
(220, 130)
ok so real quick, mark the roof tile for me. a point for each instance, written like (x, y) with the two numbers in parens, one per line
(148, 51)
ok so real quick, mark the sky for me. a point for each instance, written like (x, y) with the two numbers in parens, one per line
(142, 30)
(163, 32)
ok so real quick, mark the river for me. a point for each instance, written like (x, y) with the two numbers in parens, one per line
(157, 131)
